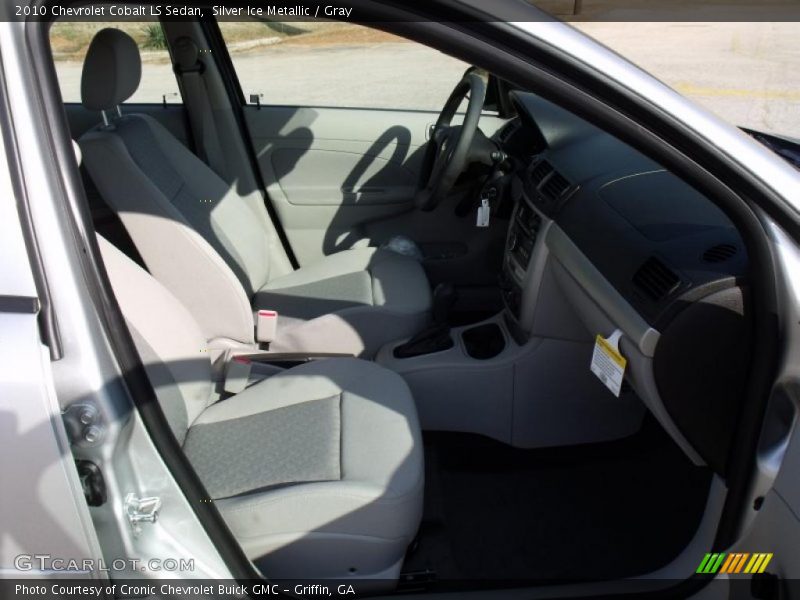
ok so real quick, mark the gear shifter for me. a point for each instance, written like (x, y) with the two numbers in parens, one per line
(444, 297)
(435, 337)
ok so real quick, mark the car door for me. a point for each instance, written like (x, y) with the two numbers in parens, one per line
(338, 116)
(770, 533)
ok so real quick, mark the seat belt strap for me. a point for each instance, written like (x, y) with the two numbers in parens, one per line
(190, 69)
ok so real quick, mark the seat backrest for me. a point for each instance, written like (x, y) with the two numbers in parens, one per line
(172, 347)
(206, 242)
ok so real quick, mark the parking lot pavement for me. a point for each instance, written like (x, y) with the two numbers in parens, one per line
(745, 72)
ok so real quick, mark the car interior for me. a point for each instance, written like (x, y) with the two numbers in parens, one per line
(372, 331)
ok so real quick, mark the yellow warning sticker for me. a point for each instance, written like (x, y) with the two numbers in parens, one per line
(607, 362)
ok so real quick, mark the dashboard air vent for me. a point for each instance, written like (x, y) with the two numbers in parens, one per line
(719, 253)
(550, 183)
(555, 185)
(655, 279)
(540, 172)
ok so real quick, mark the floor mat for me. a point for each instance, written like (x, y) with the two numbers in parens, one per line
(592, 512)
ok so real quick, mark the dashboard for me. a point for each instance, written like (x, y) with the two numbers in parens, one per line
(629, 246)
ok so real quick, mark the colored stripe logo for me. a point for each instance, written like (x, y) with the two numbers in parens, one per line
(735, 562)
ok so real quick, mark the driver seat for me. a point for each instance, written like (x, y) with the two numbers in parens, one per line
(214, 247)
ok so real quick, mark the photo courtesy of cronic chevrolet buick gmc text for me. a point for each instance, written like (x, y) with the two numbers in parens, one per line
(438, 298)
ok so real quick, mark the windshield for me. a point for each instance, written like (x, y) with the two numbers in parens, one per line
(743, 70)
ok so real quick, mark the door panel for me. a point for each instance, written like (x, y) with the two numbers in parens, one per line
(342, 177)
(329, 171)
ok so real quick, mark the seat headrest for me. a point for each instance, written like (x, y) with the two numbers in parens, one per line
(112, 70)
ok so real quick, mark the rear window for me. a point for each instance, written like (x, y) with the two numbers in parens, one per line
(70, 41)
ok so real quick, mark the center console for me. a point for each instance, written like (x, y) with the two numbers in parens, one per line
(521, 376)
(520, 245)
(485, 374)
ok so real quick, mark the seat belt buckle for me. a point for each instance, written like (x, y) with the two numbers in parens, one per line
(237, 374)
(266, 326)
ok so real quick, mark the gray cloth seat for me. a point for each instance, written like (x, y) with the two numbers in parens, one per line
(318, 470)
(213, 245)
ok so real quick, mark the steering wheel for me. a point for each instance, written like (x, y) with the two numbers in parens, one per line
(449, 147)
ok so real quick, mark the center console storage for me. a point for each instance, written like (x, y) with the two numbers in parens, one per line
(483, 342)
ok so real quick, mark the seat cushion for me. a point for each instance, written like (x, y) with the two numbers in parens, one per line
(355, 504)
(302, 442)
(352, 301)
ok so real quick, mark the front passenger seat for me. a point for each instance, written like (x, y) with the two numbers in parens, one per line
(318, 470)
(212, 246)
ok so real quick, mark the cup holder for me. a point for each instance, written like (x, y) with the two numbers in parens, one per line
(484, 341)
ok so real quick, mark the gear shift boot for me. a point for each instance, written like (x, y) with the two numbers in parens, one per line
(433, 339)
(436, 337)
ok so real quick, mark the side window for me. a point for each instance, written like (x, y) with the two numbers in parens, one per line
(70, 41)
(337, 65)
